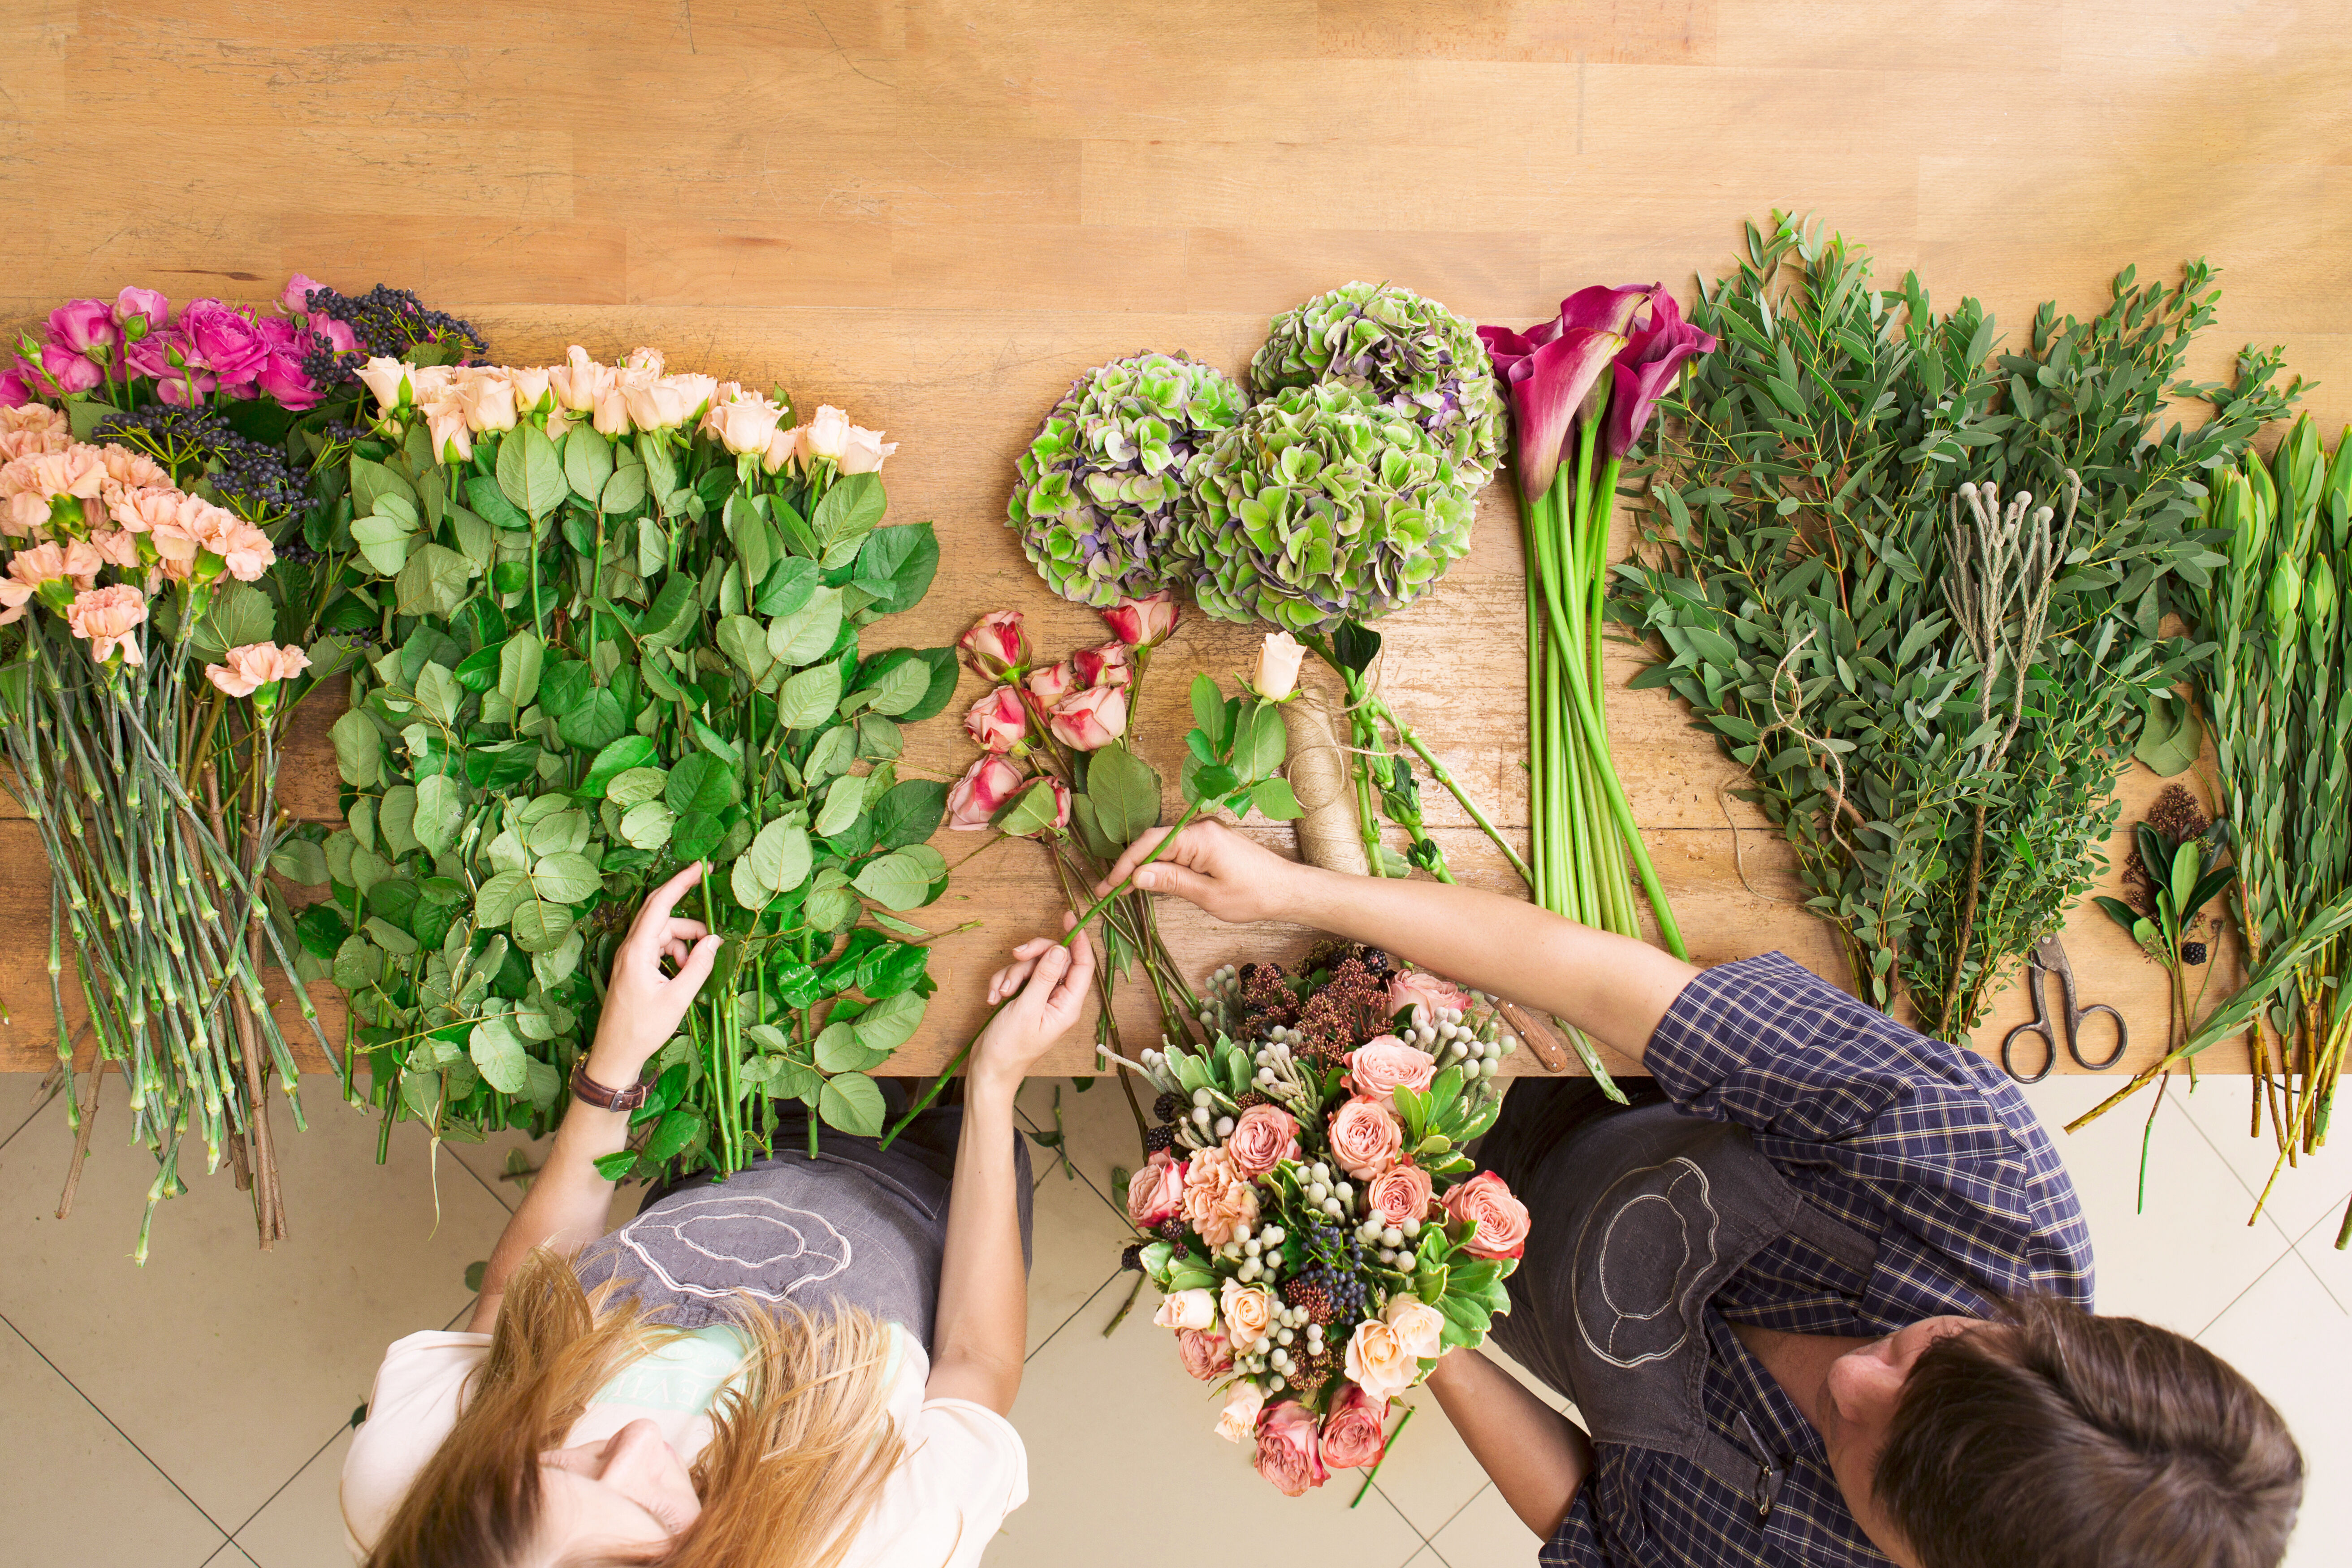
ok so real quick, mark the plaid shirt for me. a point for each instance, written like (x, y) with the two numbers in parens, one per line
(1925, 1147)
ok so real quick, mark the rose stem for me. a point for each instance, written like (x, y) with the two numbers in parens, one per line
(1373, 1474)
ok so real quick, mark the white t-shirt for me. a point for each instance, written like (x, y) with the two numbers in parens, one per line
(964, 1471)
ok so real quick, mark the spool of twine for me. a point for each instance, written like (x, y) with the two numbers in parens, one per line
(1329, 834)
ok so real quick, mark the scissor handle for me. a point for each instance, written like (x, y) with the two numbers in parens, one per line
(2074, 1038)
(2049, 1039)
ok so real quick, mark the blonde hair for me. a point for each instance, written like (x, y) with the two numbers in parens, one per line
(801, 1439)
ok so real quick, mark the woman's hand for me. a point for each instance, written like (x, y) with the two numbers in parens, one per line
(642, 1004)
(1047, 983)
(1234, 879)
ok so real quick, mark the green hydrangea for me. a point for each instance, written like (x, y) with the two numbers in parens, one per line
(1323, 504)
(1103, 483)
(1411, 353)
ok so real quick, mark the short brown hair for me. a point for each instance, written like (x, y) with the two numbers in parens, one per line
(2061, 1437)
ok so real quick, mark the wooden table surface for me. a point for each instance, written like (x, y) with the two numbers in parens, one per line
(937, 215)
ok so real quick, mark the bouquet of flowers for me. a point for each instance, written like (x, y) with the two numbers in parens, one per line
(1307, 1211)
(618, 611)
(164, 602)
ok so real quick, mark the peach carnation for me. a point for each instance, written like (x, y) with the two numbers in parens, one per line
(247, 669)
(1219, 1201)
(109, 618)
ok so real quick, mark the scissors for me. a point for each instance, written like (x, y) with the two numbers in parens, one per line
(2050, 958)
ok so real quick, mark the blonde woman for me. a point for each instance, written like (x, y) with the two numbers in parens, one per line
(807, 1366)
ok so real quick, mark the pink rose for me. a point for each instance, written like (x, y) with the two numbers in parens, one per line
(231, 345)
(147, 307)
(1288, 1450)
(1109, 664)
(986, 786)
(612, 416)
(1418, 1327)
(255, 664)
(1378, 1361)
(1278, 666)
(995, 645)
(281, 377)
(1398, 1195)
(1381, 1066)
(1155, 1193)
(1186, 1310)
(1238, 1419)
(86, 327)
(1354, 1431)
(1264, 1137)
(1367, 1139)
(652, 401)
(1417, 989)
(108, 618)
(446, 424)
(1219, 1201)
(338, 333)
(1146, 622)
(67, 370)
(184, 388)
(1050, 683)
(16, 392)
(998, 721)
(294, 297)
(1207, 1355)
(864, 451)
(828, 433)
(1248, 1312)
(1499, 1221)
(1089, 720)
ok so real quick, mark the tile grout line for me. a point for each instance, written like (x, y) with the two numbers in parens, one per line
(2257, 1280)
(202, 1512)
(1073, 1318)
(2293, 1243)
(30, 1117)
(2242, 1185)
(288, 1481)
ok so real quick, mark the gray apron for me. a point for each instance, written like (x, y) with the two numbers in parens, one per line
(858, 1224)
(1641, 1215)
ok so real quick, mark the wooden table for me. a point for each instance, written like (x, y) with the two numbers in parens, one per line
(937, 215)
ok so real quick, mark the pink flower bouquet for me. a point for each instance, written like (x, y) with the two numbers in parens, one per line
(1307, 1209)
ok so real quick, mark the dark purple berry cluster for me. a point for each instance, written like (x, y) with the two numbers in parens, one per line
(390, 322)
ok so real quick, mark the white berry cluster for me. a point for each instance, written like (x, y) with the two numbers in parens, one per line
(1394, 1242)
(1326, 1191)
(1258, 1253)
(1477, 1049)
(1273, 1357)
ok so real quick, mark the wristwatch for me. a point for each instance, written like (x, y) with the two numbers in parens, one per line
(596, 1094)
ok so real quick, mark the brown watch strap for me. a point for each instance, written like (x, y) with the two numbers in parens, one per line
(596, 1094)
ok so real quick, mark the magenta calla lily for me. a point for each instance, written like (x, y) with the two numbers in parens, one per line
(1652, 363)
(1609, 309)
(1548, 390)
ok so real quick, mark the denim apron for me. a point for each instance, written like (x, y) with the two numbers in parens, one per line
(858, 1224)
(1640, 1214)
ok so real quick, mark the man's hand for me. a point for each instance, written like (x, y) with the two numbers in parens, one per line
(1234, 879)
(1047, 982)
(642, 1004)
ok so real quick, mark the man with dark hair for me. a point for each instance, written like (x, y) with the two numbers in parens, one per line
(1820, 1295)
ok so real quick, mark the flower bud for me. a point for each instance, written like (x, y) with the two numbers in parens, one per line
(995, 645)
(1277, 676)
(986, 786)
(999, 722)
(1146, 622)
(1090, 720)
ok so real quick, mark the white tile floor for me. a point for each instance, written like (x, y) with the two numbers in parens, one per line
(195, 1413)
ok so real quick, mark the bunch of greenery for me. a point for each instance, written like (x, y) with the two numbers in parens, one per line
(1105, 477)
(604, 656)
(1795, 570)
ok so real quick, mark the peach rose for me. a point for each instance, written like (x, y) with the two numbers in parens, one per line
(1354, 1431)
(531, 384)
(1367, 1139)
(1219, 1201)
(109, 618)
(745, 426)
(1264, 1137)
(1238, 1419)
(1277, 676)
(612, 416)
(488, 396)
(1499, 1221)
(388, 379)
(1248, 1312)
(1154, 1194)
(580, 381)
(255, 664)
(1206, 1354)
(1187, 1310)
(1418, 1327)
(784, 446)
(827, 435)
(1417, 989)
(1380, 1066)
(1378, 1361)
(446, 426)
(1289, 1452)
(1398, 1195)
(646, 359)
(864, 451)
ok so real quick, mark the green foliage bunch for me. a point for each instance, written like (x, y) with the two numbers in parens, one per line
(1801, 535)
(598, 657)
(1107, 474)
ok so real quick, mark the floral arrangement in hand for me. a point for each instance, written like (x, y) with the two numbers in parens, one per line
(1307, 1211)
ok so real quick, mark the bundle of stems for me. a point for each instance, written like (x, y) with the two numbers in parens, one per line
(2278, 700)
(155, 799)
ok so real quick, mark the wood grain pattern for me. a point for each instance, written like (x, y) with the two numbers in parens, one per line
(936, 213)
